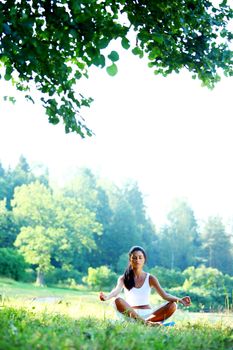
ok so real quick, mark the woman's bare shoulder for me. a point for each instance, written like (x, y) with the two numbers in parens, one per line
(152, 279)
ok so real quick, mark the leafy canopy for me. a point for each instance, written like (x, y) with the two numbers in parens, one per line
(53, 226)
(52, 43)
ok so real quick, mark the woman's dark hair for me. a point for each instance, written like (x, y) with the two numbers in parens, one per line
(128, 276)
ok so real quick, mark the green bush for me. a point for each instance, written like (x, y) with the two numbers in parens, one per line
(12, 264)
(208, 288)
(205, 300)
(61, 276)
(29, 276)
(168, 278)
(100, 278)
(209, 279)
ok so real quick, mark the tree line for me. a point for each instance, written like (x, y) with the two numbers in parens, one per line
(91, 222)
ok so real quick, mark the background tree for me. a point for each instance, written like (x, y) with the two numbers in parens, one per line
(3, 189)
(34, 205)
(101, 278)
(104, 215)
(36, 243)
(80, 228)
(85, 187)
(12, 264)
(179, 240)
(37, 36)
(146, 229)
(20, 175)
(53, 227)
(9, 226)
(217, 245)
(123, 232)
(92, 222)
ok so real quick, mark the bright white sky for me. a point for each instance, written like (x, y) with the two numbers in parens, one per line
(170, 134)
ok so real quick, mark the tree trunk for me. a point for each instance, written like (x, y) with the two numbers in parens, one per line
(39, 278)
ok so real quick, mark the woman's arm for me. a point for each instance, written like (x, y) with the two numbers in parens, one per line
(186, 301)
(114, 292)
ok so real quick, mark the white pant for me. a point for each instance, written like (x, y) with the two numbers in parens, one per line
(143, 313)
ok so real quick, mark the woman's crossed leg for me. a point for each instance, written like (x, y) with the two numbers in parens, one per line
(157, 316)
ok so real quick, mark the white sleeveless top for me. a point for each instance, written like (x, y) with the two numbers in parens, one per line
(138, 296)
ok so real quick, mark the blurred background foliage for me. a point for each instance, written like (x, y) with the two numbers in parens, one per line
(80, 234)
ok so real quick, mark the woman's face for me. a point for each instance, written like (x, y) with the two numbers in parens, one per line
(137, 259)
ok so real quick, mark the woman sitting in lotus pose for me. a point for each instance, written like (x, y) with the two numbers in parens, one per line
(137, 286)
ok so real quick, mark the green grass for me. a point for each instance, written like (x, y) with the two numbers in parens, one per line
(78, 320)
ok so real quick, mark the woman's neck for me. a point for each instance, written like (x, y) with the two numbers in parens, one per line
(138, 272)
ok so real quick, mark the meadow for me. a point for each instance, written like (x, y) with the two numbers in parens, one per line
(60, 318)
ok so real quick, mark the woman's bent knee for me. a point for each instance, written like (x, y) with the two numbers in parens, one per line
(172, 306)
(121, 304)
(118, 301)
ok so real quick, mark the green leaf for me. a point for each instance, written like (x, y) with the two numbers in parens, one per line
(81, 65)
(4, 59)
(77, 75)
(154, 53)
(112, 70)
(28, 23)
(8, 73)
(113, 56)
(223, 3)
(137, 51)
(29, 98)
(151, 65)
(103, 43)
(6, 29)
(12, 99)
(125, 43)
(99, 61)
(158, 38)
(91, 51)
(74, 33)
